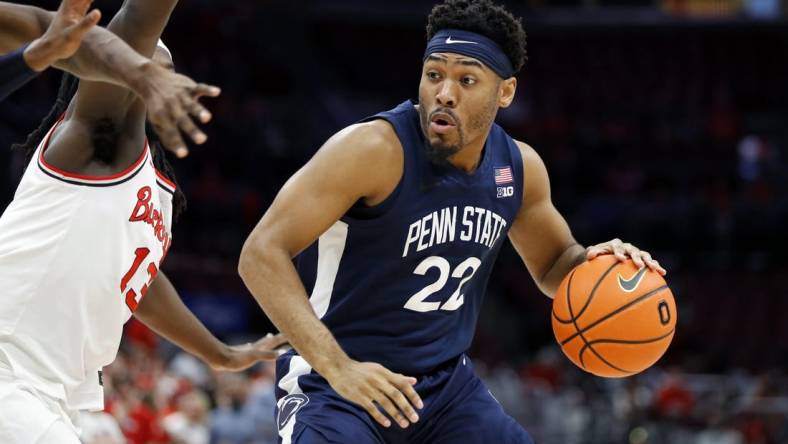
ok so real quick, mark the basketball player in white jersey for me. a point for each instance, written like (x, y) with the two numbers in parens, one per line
(81, 248)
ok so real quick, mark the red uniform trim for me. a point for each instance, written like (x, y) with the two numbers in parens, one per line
(83, 177)
(166, 181)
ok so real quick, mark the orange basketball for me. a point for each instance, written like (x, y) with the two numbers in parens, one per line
(613, 319)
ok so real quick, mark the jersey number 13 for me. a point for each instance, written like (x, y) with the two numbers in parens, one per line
(131, 295)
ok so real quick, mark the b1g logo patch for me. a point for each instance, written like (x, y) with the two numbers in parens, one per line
(288, 407)
(505, 192)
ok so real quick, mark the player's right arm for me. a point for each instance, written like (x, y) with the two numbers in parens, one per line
(362, 162)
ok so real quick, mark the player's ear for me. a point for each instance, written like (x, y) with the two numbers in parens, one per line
(506, 91)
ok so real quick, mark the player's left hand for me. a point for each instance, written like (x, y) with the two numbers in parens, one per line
(241, 357)
(64, 35)
(622, 251)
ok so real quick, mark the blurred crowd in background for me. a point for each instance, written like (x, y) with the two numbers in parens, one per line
(669, 134)
(157, 394)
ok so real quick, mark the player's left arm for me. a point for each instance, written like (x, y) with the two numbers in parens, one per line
(543, 239)
(163, 311)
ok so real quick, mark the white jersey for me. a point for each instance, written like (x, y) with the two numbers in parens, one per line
(77, 254)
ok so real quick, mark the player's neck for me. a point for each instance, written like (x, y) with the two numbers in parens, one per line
(470, 157)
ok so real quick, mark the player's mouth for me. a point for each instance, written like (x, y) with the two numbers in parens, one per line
(442, 123)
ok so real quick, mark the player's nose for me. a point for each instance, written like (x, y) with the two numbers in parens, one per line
(447, 94)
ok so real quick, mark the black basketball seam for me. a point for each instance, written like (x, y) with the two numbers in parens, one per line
(622, 341)
(625, 341)
(593, 350)
(591, 296)
(565, 321)
(615, 312)
(577, 328)
(596, 286)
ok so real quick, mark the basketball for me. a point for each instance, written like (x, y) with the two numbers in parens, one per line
(613, 319)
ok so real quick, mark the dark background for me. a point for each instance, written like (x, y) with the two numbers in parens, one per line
(662, 124)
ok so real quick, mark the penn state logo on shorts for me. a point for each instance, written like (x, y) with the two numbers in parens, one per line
(289, 405)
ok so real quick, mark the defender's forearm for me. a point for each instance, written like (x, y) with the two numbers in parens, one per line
(163, 311)
(272, 279)
(103, 57)
(573, 256)
(20, 24)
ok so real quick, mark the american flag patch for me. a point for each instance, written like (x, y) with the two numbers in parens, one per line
(503, 176)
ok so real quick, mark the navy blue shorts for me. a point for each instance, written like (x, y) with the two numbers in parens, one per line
(458, 408)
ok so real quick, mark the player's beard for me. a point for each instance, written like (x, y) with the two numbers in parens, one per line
(440, 153)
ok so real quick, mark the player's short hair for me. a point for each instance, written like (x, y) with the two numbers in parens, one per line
(104, 140)
(485, 18)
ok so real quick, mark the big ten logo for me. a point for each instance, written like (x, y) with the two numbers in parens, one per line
(505, 192)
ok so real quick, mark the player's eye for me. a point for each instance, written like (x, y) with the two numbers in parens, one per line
(467, 80)
(432, 75)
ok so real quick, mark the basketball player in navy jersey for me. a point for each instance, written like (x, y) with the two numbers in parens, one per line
(396, 223)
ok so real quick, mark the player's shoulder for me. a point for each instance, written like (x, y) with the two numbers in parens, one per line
(376, 134)
(373, 141)
(370, 153)
(533, 165)
(537, 182)
(527, 152)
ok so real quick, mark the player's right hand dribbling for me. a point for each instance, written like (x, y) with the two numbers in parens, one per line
(370, 385)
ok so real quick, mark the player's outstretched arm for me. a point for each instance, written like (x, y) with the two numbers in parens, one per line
(53, 36)
(543, 239)
(140, 23)
(163, 311)
(358, 163)
(18, 25)
(169, 97)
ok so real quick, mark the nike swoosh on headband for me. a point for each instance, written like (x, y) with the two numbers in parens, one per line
(449, 41)
(631, 284)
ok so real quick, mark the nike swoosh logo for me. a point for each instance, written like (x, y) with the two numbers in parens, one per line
(449, 41)
(631, 284)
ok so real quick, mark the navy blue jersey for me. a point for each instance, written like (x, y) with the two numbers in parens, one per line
(402, 283)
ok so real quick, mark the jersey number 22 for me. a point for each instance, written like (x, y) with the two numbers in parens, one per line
(417, 303)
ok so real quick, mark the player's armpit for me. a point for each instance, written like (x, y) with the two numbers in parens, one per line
(540, 234)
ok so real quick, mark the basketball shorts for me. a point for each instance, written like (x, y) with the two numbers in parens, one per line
(458, 408)
(30, 417)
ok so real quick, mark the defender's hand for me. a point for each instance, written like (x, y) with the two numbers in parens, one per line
(64, 35)
(372, 386)
(623, 250)
(241, 357)
(172, 100)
